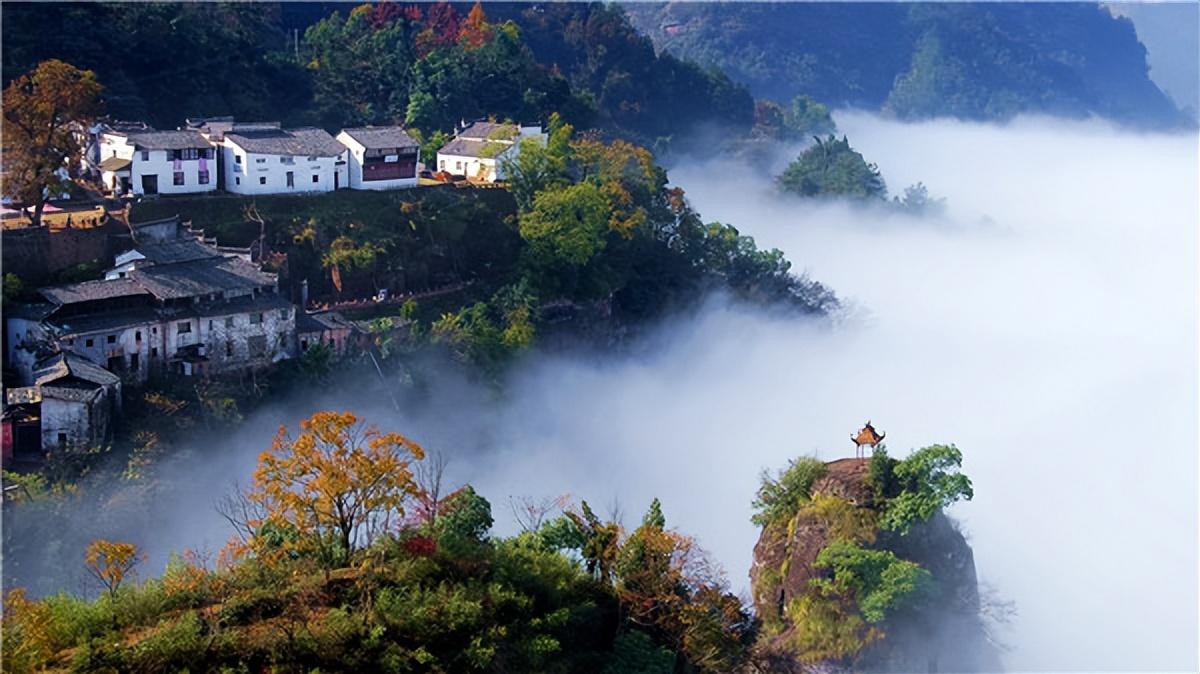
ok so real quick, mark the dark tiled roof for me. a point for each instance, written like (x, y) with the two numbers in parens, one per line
(304, 142)
(115, 164)
(241, 305)
(181, 250)
(322, 321)
(63, 365)
(152, 223)
(104, 322)
(200, 277)
(489, 130)
(373, 137)
(473, 148)
(23, 395)
(80, 394)
(35, 312)
(92, 290)
(166, 140)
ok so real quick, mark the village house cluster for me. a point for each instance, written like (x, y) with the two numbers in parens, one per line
(219, 153)
(175, 303)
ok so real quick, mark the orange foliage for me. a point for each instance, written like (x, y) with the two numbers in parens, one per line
(28, 641)
(111, 562)
(339, 476)
(475, 31)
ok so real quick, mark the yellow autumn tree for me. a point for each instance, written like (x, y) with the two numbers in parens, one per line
(339, 479)
(111, 562)
(28, 633)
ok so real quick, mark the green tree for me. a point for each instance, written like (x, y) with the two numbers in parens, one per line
(539, 166)
(879, 581)
(568, 224)
(916, 201)
(780, 498)
(807, 117)
(41, 110)
(927, 481)
(13, 287)
(831, 168)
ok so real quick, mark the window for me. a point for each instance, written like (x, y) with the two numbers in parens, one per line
(257, 345)
(188, 153)
(178, 177)
(256, 318)
(313, 158)
(237, 181)
(154, 352)
(262, 180)
(287, 160)
(90, 343)
(154, 331)
(111, 339)
(316, 178)
(145, 155)
(137, 336)
(229, 349)
(229, 321)
(185, 326)
(134, 362)
(282, 339)
(457, 166)
(442, 165)
(285, 313)
(62, 439)
(210, 324)
(203, 177)
(260, 160)
(237, 158)
(291, 179)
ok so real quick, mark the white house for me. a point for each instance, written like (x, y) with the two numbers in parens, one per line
(265, 159)
(479, 149)
(380, 157)
(179, 305)
(156, 162)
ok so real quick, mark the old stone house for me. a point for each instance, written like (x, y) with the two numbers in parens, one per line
(180, 305)
(479, 149)
(70, 404)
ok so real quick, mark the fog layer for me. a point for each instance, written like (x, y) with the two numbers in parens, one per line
(1046, 325)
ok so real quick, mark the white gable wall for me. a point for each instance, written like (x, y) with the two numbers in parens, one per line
(354, 156)
(157, 163)
(249, 173)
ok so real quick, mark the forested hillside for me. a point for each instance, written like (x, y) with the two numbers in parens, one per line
(975, 61)
(337, 65)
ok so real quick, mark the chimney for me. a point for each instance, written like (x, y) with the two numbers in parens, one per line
(304, 295)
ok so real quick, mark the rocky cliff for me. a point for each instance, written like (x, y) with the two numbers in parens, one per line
(811, 623)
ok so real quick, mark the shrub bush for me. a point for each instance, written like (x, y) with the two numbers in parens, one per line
(779, 498)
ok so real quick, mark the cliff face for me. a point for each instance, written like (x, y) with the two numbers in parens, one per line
(940, 630)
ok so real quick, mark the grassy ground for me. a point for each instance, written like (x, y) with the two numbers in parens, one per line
(225, 215)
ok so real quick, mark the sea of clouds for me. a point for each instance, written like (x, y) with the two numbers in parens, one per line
(1046, 323)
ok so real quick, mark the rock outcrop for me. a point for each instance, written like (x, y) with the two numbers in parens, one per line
(940, 631)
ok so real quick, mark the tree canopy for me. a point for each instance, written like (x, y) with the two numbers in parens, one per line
(41, 111)
(831, 168)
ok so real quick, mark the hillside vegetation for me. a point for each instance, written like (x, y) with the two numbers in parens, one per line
(349, 553)
(917, 60)
(583, 223)
(424, 65)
